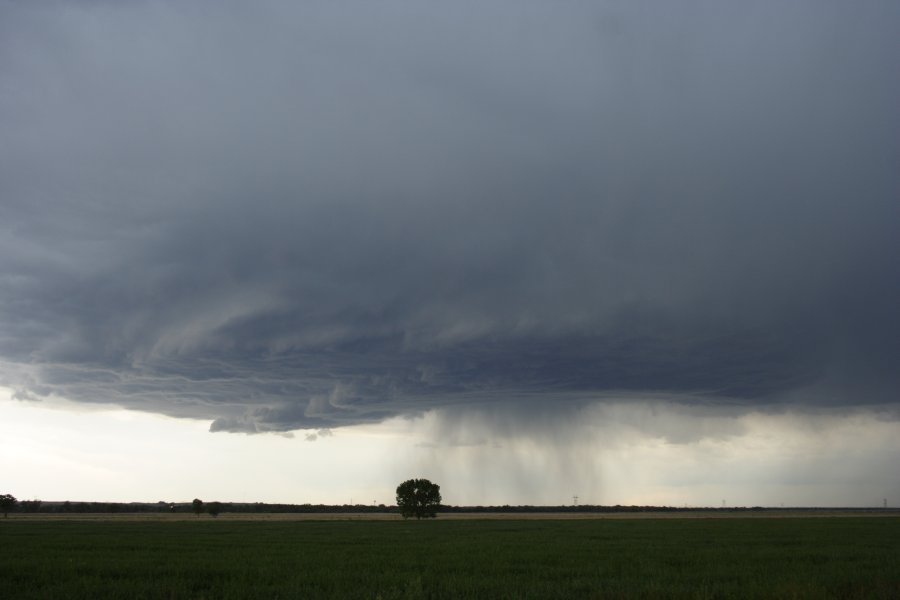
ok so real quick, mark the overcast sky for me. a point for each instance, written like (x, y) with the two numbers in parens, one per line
(522, 232)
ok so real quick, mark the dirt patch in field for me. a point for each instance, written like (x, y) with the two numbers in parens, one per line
(566, 516)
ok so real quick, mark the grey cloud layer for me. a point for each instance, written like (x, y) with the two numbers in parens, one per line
(286, 217)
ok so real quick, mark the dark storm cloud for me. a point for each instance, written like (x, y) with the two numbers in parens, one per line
(283, 216)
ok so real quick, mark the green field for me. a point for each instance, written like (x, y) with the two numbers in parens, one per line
(641, 558)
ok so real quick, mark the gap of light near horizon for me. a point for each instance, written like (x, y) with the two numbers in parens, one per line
(65, 452)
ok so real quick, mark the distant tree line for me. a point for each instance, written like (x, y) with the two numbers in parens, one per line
(589, 508)
(9, 504)
(35, 506)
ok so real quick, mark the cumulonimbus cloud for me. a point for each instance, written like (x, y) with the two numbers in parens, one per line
(304, 217)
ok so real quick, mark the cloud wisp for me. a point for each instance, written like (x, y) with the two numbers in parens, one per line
(303, 217)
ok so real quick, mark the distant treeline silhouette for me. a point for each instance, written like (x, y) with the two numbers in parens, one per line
(37, 506)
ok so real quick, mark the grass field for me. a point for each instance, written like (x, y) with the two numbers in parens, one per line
(788, 557)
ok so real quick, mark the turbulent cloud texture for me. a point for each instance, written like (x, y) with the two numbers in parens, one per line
(288, 215)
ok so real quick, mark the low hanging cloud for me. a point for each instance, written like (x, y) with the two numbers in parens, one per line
(287, 217)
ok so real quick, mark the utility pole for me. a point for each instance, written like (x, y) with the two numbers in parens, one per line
(574, 500)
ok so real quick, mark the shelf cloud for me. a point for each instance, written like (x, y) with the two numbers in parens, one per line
(306, 216)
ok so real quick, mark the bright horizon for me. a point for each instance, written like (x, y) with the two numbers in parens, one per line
(62, 453)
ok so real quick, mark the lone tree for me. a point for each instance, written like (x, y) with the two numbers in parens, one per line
(418, 498)
(213, 508)
(7, 503)
(197, 506)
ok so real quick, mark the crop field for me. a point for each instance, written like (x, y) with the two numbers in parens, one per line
(790, 557)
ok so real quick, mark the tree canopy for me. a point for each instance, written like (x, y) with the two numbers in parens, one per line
(7, 503)
(418, 498)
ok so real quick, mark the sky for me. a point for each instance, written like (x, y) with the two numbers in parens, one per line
(634, 252)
